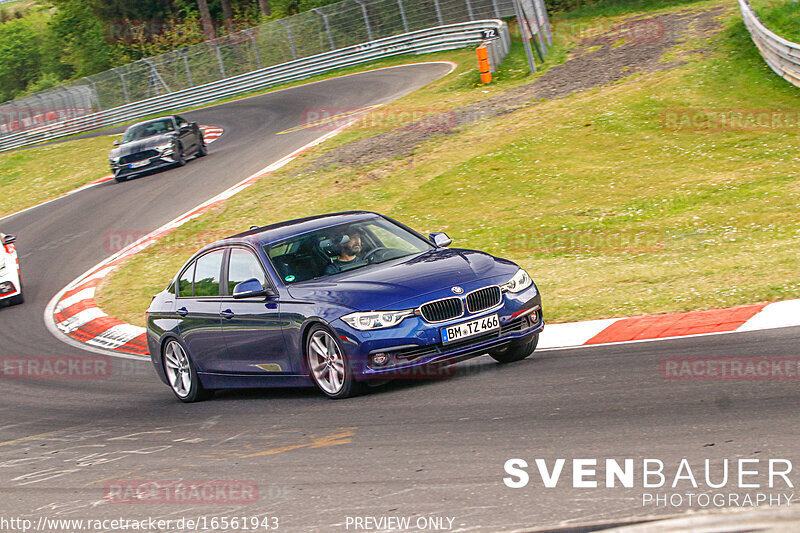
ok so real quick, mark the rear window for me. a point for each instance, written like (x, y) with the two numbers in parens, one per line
(207, 274)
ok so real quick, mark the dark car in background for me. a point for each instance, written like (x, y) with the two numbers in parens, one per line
(337, 301)
(154, 144)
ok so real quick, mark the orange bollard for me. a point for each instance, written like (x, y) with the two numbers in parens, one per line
(483, 64)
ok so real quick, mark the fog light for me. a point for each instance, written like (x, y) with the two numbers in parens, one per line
(6, 287)
(380, 359)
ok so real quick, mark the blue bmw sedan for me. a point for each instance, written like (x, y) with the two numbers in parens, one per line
(337, 301)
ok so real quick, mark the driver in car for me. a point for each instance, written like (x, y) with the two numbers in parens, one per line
(349, 243)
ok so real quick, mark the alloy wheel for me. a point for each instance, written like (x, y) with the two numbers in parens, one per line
(179, 371)
(326, 362)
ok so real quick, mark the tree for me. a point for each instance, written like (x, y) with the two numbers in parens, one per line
(82, 35)
(227, 14)
(20, 58)
(264, 7)
(205, 17)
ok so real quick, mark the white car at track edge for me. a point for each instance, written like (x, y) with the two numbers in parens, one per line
(10, 277)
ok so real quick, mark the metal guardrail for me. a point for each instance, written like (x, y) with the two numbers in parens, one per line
(328, 28)
(418, 42)
(782, 56)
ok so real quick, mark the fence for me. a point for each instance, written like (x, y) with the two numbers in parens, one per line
(781, 55)
(274, 47)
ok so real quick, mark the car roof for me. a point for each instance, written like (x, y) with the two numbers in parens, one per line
(289, 228)
(149, 121)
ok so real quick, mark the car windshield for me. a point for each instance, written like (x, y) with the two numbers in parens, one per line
(329, 251)
(148, 129)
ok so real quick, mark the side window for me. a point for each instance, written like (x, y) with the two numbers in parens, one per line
(185, 283)
(243, 266)
(180, 120)
(206, 274)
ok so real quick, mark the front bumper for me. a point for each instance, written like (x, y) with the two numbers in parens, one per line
(154, 163)
(8, 289)
(415, 343)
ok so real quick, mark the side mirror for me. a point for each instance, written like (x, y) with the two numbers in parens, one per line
(116, 143)
(9, 239)
(440, 239)
(250, 288)
(185, 127)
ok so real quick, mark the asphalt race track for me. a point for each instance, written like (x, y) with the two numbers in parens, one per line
(422, 448)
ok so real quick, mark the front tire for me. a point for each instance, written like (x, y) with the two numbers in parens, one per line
(180, 157)
(181, 374)
(202, 150)
(328, 366)
(516, 351)
(120, 179)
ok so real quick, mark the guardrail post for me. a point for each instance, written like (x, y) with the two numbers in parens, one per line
(438, 12)
(547, 30)
(523, 30)
(469, 11)
(531, 22)
(291, 40)
(403, 15)
(255, 47)
(219, 57)
(94, 91)
(70, 103)
(327, 26)
(182, 52)
(366, 18)
(534, 4)
(40, 106)
(496, 9)
(155, 77)
(124, 85)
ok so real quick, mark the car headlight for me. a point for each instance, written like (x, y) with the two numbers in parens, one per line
(164, 148)
(518, 282)
(376, 319)
(114, 160)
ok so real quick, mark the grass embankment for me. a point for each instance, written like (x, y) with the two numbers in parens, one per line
(656, 194)
(28, 177)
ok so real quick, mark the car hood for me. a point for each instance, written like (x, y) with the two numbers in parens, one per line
(141, 145)
(406, 281)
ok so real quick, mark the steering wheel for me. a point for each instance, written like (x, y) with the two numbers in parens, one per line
(368, 255)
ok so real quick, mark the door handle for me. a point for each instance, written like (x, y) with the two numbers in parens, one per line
(182, 311)
(227, 313)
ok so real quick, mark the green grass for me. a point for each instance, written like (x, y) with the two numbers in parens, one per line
(28, 177)
(612, 210)
(780, 16)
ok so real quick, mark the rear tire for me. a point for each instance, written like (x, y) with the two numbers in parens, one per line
(516, 351)
(181, 374)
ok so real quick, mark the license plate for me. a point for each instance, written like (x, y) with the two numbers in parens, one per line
(470, 329)
(139, 164)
